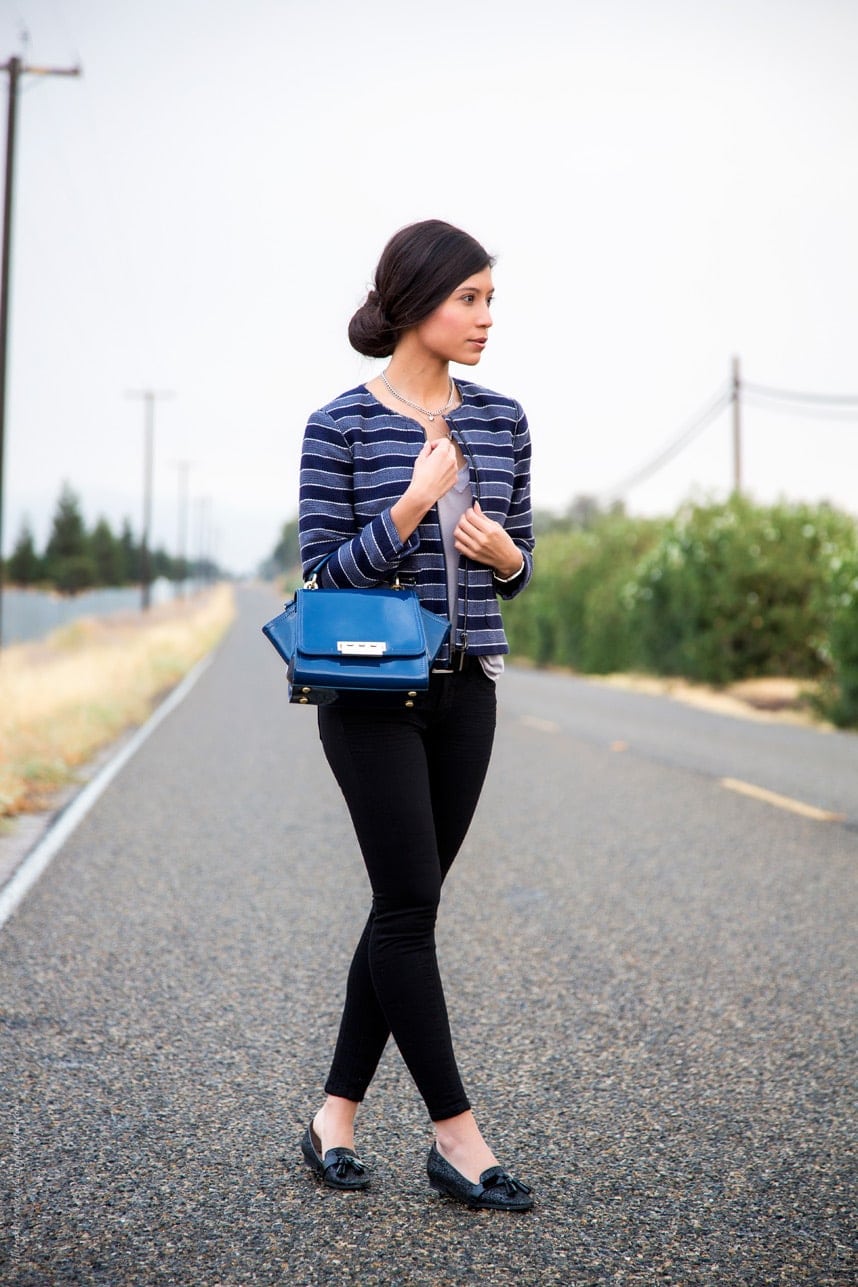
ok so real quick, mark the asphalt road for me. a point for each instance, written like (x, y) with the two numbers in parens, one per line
(651, 982)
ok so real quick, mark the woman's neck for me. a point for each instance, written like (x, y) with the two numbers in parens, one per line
(427, 384)
(419, 374)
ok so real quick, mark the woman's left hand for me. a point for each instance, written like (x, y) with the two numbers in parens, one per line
(485, 541)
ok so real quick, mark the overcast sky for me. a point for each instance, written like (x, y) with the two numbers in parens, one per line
(665, 183)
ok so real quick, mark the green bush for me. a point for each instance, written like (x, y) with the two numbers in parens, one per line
(718, 593)
(839, 699)
(573, 613)
(532, 621)
(735, 590)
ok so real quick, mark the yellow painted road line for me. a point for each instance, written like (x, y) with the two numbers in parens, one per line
(782, 801)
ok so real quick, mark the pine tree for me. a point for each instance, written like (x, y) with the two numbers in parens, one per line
(129, 552)
(68, 558)
(24, 566)
(106, 553)
(68, 533)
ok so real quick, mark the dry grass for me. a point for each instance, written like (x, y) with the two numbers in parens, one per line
(64, 698)
(783, 701)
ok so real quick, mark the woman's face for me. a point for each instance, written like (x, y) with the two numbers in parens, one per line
(457, 330)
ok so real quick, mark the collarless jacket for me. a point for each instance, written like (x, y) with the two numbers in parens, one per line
(356, 462)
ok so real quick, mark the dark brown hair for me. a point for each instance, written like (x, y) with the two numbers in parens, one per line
(419, 267)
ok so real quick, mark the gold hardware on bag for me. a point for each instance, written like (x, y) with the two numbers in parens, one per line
(361, 647)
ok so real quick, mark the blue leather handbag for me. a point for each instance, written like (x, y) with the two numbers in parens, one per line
(370, 647)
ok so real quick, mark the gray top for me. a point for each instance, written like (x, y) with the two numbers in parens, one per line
(451, 506)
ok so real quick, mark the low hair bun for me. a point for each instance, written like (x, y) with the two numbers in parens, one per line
(419, 267)
(370, 330)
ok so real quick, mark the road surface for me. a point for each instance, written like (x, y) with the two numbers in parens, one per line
(650, 976)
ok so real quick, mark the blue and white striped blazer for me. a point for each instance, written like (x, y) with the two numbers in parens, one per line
(356, 462)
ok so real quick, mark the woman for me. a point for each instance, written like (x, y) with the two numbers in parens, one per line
(422, 476)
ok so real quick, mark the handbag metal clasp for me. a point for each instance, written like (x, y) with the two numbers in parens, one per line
(361, 647)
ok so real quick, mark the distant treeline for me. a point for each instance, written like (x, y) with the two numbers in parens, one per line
(285, 558)
(76, 557)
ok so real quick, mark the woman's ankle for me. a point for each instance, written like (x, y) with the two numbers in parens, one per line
(460, 1142)
(334, 1123)
(456, 1132)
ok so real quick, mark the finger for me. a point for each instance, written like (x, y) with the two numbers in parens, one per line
(468, 540)
(477, 519)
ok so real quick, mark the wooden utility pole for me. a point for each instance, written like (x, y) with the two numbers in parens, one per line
(182, 547)
(14, 69)
(148, 396)
(737, 428)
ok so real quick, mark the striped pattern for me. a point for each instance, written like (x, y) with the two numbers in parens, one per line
(356, 462)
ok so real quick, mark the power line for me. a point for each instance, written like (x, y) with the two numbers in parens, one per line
(812, 411)
(735, 391)
(792, 395)
(720, 400)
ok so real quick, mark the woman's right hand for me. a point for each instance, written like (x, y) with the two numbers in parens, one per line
(434, 473)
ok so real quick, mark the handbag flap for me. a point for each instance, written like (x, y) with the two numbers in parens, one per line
(380, 623)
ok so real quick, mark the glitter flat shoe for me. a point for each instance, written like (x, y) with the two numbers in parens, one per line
(340, 1168)
(495, 1191)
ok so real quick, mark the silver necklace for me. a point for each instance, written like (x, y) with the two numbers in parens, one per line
(416, 405)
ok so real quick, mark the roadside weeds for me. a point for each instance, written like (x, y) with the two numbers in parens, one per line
(66, 697)
(767, 699)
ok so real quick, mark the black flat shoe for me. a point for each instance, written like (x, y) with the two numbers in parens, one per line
(340, 1168)
(496, 1191)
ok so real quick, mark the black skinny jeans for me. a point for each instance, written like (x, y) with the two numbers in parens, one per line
(411, 780)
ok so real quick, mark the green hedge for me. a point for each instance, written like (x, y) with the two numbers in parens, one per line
(719, 592)
(839, 699)
(574, 613)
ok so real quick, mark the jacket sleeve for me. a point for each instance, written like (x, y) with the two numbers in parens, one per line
(519, 521)
(327, 523)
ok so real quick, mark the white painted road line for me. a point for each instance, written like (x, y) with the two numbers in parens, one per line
(38, 858)
(782, 801)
